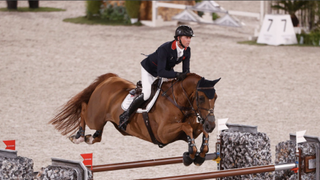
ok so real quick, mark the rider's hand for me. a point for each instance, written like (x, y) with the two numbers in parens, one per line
(181, 76)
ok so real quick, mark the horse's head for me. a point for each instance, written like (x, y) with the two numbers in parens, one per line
(199, 96)
(202, 99)
(205, 97)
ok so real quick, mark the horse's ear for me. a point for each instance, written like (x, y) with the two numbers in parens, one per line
(216, 81)
(207, 87)
(207, 83)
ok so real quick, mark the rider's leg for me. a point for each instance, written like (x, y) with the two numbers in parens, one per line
(124, 117)
(146, 80)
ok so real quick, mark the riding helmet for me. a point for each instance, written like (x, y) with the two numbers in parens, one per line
(183, 30)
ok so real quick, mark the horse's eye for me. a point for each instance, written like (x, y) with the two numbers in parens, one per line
(201, 99)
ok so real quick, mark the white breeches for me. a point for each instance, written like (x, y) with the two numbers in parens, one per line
(146, 79)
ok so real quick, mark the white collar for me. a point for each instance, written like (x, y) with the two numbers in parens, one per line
(179, 50)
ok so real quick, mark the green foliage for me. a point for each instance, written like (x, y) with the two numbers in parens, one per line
(133, 8)
(93, 8)
(115, 13)
(317, 9)
(97, 20)
(313, 38)
(215, 16)
(200, 13)
(97, 13)
(291, 6)
(313, 14)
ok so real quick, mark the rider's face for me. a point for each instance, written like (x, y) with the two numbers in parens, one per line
(185, 40)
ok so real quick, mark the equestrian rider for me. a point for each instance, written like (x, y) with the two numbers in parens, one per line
(161, 64)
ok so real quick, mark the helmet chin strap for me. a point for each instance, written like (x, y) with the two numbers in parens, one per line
(181, 43)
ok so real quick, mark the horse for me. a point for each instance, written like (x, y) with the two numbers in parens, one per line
(183, 110)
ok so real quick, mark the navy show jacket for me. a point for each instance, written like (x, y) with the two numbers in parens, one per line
(161, 62)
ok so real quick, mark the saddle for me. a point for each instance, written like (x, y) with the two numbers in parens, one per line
(146, 107)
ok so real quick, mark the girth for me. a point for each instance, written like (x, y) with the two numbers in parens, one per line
(147, 123)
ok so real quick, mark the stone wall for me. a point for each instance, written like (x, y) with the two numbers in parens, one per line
(13, 167)
(58, 173)
(16, 168)
(244, 149)
(285, 153)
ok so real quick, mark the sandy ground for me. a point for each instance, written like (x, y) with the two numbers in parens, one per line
(45, 61)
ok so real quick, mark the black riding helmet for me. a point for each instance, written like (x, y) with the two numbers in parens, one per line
(183, 30)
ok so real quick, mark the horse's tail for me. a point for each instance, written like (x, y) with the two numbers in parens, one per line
(68, 118)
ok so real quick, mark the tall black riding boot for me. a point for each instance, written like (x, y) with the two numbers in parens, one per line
(124, 117)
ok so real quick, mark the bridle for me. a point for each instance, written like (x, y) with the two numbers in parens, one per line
(198, 113)
(200, 119)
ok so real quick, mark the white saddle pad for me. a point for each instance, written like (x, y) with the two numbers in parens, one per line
(129, 98)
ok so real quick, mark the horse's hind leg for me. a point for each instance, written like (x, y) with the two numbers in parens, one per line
(97, 136)
(79, 137)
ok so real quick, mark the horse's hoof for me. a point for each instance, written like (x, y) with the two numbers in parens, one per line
(75, 140)
(198, 161)
(89, 139)
(186, 159)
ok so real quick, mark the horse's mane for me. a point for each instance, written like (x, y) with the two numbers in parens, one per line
(191, 79)
(192, 76)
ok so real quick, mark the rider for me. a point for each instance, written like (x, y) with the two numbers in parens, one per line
(160, 64)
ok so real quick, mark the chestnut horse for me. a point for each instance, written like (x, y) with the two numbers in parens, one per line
(184, 110)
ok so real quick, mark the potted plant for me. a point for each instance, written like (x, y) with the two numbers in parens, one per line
(291, 7)
(133, 8)
(93, 8)
(33, 4)
(12, 4)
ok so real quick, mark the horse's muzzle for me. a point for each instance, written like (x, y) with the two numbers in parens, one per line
(209, 124)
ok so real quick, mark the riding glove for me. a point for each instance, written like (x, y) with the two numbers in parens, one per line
(181, 76)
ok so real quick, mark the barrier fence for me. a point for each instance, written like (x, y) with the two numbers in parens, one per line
(145, 163)
(296, 167)
(310, 163)
(231, 172)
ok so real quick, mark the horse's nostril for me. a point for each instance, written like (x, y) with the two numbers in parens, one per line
(207, 127)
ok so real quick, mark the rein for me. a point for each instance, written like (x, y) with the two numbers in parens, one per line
(173, 101)
(182, 108)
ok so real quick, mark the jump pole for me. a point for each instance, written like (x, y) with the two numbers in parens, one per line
(145, 163)
(230, 172)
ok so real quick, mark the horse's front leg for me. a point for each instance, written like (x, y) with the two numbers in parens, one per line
(190, 156)
(201, 156)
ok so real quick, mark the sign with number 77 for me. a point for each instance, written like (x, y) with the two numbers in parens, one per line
(276, 30)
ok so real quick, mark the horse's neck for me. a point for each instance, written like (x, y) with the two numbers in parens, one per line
(189, 85)
(181, 91)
